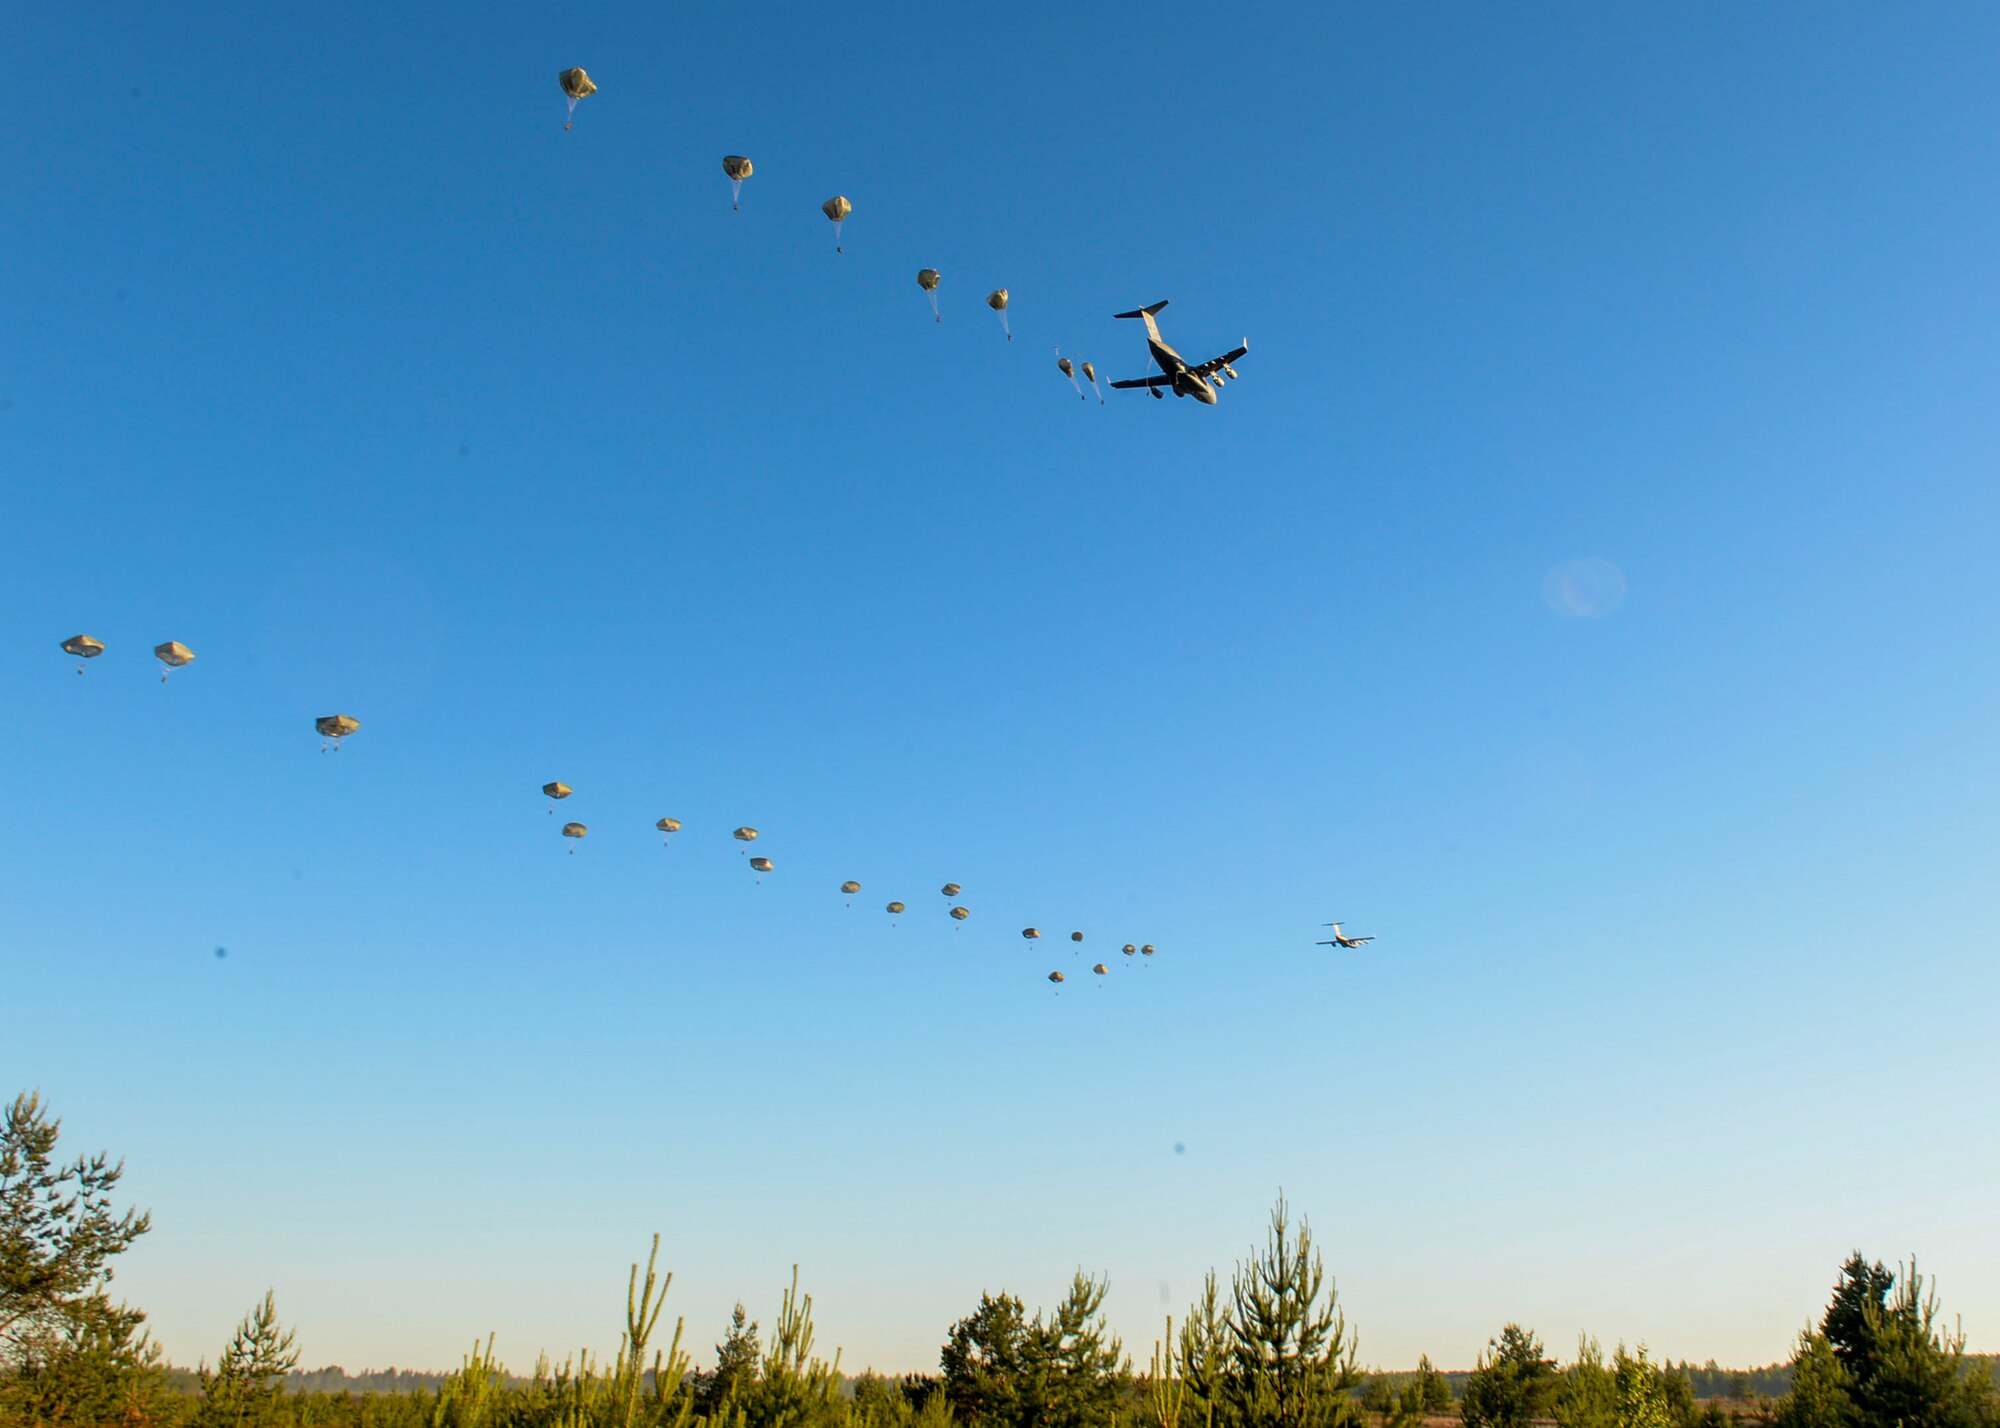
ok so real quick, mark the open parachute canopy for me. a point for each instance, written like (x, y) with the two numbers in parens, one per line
(173, 654)
(927, 279)
(575, 830)
(1128, 949)
(746, 835)
(850, 887)
(575, 85)
(738, 168)
(1148, 949)
(1100, 969)
(950, 889)
(1031, 933)
(837, 208)
(997, 300)
(558, 789)
(1076, 937)
(336, 726)
(762, 865)
(1057, 977)
(83, 646)
(895, 907)
(959, 914)
(669, 825)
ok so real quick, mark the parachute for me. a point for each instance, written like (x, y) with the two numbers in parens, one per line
(837, 209)
(949, 889)
(738, 168)
(1090, 375)
(1147, 949)
(761, 865)
(575, 85)
(574, 830)
(173, 654)
(959, 914)
(557, 790)
(746, 835)
(1031, 933)
(668, 826)
(1100, 969)
(927, 279)
(850, 887)
(894, 908)
(333, 728)
(1063, 366)
(1057, 977)
(1128, 949)
(1076, 937)
(997, 300)
(83, 647)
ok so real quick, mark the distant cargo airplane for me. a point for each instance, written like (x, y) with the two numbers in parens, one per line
(1198, 382)
(1341, 939)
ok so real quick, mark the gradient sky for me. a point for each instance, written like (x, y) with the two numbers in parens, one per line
(331, 355)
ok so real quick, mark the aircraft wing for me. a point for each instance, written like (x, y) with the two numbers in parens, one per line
(1216, 364)
(1146, 382)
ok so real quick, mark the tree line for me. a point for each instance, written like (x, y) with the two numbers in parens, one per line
(1270, 1349)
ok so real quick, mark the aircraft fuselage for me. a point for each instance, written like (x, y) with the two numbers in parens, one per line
(1186, 382)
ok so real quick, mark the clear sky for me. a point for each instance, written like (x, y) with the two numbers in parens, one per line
(330, 354)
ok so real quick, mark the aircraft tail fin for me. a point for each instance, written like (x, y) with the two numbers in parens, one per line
(1144, 311)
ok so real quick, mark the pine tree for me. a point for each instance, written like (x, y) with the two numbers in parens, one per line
(1822, 1388)
(736, 1361)
(1586, 1395)
(984, 1360)
(249, 1378)
(1641, 1389)
(1511, 1383)
(1437, 1388)
(1291, 1361)
(1081, 1372)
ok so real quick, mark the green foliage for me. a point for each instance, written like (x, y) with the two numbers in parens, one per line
(1436, 1387)
(1644, 1396)
(984, 1362)
(1059, 1370)
(1585, 1395)
(1291, 1361)
(736, 1361)
(1204, 1356)
(249, 1378)
(1512, 1384)
(58, 1235)
(1822, 1388)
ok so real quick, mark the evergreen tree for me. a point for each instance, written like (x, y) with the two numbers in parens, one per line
(736, 1360)
(1641, 1391)
(1861, 1291)
(1916, 1373)
(58, 1235)
(984, 1362)
(1822, 1388)
(1437, 1388)
(1204, 1357)
(1585, 1395)
(1081, 1373)
(1511, 1384)
(1291, 1359)
(249, 1378)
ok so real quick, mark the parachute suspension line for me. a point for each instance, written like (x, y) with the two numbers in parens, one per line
(836, 235)
(936, 316)
(736, 194)
(568, 122)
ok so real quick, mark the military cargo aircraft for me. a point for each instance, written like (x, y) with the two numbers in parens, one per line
(1199, 382)
(1341, 939)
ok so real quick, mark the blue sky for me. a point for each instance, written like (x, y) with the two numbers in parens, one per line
(334, 357)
